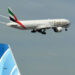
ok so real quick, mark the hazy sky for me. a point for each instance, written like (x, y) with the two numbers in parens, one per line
(36, 54)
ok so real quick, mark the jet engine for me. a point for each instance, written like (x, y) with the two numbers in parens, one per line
(58, 29)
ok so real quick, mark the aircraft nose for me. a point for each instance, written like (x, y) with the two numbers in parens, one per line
(68, 22)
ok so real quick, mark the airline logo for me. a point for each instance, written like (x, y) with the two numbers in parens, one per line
(13, 18)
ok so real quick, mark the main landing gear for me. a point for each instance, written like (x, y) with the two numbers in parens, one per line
(42, 31)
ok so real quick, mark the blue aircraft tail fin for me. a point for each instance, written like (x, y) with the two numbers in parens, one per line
(8, 65)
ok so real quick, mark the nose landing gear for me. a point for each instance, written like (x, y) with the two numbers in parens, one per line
(66, 29)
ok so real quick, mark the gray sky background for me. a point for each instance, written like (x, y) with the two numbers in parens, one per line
(36, 54)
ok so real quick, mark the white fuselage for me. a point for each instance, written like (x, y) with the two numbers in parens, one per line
(41, 24)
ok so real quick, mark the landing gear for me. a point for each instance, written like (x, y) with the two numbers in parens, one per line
(66, 29)
(33, 31)
(42, 31)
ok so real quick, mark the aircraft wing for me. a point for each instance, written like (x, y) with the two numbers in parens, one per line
(8, 65)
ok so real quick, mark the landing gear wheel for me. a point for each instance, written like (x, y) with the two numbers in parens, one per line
(33, 31)
(66, 29)
(43, 32)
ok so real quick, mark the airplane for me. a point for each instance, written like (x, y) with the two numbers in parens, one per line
(37, 25)
(8, 65)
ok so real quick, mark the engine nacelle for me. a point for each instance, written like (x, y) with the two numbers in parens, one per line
(58, 29)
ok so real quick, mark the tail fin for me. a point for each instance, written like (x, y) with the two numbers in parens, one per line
(14, 19)
(12, 15)
(8, 65)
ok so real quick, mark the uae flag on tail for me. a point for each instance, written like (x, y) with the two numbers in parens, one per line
(12, 15)
(14, 19)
